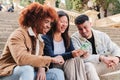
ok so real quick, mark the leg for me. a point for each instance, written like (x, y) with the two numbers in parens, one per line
(21, 73)
(55, 74)
(74, 69)
(91, 71)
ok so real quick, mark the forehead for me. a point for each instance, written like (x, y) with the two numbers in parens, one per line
(48, 18)
(63, 17)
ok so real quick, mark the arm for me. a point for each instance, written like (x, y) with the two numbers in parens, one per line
(21, 55)
(113, 48)
(77, 43)
(41, 75)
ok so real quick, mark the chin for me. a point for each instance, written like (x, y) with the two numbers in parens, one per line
(62, 31)
(85, 36)
(44, 33)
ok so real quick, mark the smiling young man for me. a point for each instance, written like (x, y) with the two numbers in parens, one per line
(99, 45)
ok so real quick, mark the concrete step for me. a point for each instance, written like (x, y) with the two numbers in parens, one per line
(3, 39)
(111, 76)
(2, 44)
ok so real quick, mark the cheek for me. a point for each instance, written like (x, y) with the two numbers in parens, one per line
(40, 30)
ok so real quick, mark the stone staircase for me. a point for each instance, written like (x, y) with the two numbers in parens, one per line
(9, 22)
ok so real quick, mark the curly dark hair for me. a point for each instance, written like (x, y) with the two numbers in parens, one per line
(35, 13)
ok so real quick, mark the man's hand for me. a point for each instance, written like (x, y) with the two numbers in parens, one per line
(41, 75)
(110, 61)
(115, 61)
(77, 53)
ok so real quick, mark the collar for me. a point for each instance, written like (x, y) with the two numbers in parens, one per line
(95, 34)
(30, 31)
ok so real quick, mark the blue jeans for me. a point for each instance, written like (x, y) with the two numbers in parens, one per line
(55, 74)
(27, 73)
(21, 73)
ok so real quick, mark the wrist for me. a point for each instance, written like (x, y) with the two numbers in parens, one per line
(52, 60)
(101, 58)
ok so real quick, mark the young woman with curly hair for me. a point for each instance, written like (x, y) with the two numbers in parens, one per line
(24, 48)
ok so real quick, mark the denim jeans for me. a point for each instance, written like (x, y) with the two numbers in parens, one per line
(55, 74)
(21, 73)
(27, 73)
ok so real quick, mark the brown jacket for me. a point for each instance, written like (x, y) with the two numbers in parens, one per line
(18, 51)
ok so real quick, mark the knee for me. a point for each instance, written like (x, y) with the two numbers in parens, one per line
(57, 74)
(27, 68)
(89, 67)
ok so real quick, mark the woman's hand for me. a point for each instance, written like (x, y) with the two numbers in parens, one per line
(41, 75)
(58, 60)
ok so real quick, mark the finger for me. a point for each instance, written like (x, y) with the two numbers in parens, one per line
(112, 65)
(61, 62)
(38, 78)
(116, 63)
(42, 77)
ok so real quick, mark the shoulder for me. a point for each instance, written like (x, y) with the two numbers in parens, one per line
(76, 34)
(47, 38)
(100, 34)
(18, 33)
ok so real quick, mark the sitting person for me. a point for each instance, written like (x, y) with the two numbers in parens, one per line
(100, 47)
(11, 9)
(24, 48)
(1, 7)
(58, 42)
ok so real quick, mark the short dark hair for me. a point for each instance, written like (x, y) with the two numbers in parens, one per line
(81, 19)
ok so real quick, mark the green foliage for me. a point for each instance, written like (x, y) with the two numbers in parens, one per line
(27, 2)
(57, 3)
(74, 4)
(116, 8)
(69, 4)
(40, 1)
(77, 5)
(24, 2)
(104, 3)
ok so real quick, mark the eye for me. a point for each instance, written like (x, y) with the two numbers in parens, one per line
(46, 21)
(80, 29)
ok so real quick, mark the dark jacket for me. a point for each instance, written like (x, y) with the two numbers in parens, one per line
(49, 48)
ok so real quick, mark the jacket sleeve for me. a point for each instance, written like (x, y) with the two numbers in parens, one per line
(48, 49)
(20, 54)
(113, 48)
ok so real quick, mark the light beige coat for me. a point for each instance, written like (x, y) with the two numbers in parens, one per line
(18, 51)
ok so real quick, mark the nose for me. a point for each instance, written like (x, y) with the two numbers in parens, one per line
(65, 24)
(48, 25)
(84, 30)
